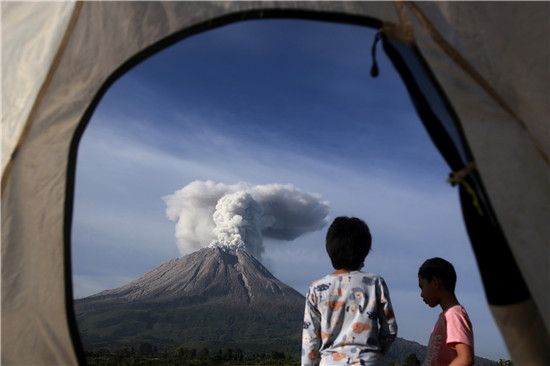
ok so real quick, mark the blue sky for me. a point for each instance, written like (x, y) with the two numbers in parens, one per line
(273, 101)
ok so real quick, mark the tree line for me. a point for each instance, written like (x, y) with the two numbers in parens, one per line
(148, 355)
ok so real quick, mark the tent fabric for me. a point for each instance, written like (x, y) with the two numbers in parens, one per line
(67, 54)
(524, 333)
(30, 46)
(510, 153)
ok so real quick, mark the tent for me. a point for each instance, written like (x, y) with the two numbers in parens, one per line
(478, 73)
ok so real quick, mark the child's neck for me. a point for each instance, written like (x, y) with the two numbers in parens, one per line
(448, 302)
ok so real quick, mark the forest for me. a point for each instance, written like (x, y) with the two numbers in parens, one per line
(147, 355)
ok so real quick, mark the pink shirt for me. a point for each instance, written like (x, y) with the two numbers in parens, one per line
(453, 326)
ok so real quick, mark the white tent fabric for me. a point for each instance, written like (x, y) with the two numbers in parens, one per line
(30, 45)
(57, 56)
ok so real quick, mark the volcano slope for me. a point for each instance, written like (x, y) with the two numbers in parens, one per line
(214, 298)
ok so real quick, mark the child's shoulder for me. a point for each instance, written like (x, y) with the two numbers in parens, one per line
(371, 275)
(457, 310)
(323, 280)
(364, 277)
(368, 277)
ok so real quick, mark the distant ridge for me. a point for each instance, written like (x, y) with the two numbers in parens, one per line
(214, 298)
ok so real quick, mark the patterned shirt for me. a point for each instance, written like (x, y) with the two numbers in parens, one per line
(453, 326)
(348, 320)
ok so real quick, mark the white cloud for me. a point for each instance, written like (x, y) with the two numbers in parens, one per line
(240, 215)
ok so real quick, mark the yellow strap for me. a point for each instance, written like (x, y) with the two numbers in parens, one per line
(459, 177)
(473, 195)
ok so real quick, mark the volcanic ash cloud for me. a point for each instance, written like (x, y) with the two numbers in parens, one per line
(241, 215)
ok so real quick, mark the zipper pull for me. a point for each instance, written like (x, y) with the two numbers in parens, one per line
(374, 68)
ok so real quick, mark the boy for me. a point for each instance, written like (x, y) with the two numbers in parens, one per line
(452, 339)
(348, 318)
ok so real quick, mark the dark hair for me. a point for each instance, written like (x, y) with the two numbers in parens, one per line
(439, 268)
(348, 242)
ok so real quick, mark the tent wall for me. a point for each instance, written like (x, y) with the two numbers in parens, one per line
(87, 45)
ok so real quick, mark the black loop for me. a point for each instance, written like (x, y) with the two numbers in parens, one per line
(374, 71)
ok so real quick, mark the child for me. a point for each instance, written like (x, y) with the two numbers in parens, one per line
(452, 339)
(348, 318)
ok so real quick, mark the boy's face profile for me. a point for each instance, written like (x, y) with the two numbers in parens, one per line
(429, 291)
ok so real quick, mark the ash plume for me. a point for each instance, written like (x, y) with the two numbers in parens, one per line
(241, 215)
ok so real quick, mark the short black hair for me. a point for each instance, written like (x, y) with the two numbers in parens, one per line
(348, 242)
(441, 269)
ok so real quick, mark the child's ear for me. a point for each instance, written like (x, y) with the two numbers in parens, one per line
(437, 283)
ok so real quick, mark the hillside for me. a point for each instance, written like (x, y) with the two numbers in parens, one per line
(214, 298)
(211, 297)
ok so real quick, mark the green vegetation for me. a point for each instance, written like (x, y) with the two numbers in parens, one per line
(147, 355)
(266, 328)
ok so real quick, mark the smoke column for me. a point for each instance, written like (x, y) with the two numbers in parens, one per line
(240, 215)
(238, 223)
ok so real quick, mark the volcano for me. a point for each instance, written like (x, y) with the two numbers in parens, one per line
(214, 297)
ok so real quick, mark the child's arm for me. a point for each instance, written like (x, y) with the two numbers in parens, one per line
(311, 336)
(460, 336)
(386, 317)
(464, 355)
